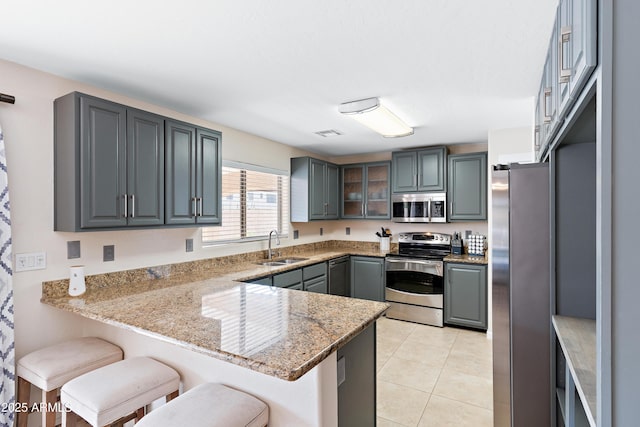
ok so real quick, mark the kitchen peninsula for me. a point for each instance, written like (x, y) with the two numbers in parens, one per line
(278, 344)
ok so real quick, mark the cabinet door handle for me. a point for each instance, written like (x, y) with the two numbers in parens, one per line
(362, 209)
(536, 138)
(194, 208)
(199, 206)
(125, 198)
(133, 206)
(547, 96)
(565, 38)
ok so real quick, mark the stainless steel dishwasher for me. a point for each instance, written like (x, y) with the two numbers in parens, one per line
(339, 280)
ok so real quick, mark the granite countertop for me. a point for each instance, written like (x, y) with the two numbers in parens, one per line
(275, 331)
(467, 259)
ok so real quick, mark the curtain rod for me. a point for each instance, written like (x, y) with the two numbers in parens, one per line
(7, 98)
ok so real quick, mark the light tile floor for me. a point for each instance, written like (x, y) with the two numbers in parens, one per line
(429, 376)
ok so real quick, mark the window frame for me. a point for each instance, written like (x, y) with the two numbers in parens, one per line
(283, 215)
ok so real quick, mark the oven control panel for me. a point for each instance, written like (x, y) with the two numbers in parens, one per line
(426, 238)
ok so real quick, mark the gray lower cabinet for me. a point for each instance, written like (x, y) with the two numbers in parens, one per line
(314, 190)
(268, 281)
(421, 170)
(319, 285)
(367, 278)
(465, 295)
(357, 380)
(314, 278)
(109, 165)
(467, 185)
(289, 279)
(193, 175)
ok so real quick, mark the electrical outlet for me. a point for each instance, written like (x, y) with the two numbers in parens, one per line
(189, 245)
(295, 234)
(73, 249)
(321, 231)
(31, 261)
(348, 231)
(108, 253)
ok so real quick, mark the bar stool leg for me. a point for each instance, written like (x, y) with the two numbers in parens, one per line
(69, 419)
(48, 401)
(139, 414)
(24, 394)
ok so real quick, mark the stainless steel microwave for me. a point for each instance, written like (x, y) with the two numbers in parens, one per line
(419, 207)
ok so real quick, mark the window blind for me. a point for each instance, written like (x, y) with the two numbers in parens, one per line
(255, 200)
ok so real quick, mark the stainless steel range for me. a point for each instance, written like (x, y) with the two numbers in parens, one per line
(415, 285)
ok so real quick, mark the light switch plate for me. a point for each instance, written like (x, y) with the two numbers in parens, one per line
(348, 230)
(189, 245)
(30, 261)
(295, 234)
(321, 231)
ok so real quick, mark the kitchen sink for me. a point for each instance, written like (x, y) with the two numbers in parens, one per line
(270, 263)
(284, 261)
(292, 260)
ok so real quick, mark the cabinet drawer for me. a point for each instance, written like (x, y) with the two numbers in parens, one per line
(319, 285)
(315, 270)
(290, 278)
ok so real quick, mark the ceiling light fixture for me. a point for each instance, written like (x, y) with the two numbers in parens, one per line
(371, 113)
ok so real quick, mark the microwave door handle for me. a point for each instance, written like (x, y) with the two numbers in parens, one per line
(429, 207)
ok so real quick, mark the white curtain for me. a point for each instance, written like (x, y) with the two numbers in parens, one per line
(7, 342)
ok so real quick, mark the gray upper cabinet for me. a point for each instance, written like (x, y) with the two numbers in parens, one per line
(467, 187)
(193, 175)
(465, 295)
(404, 171)
(365, 191)
(314, 190)
(421, 170)
(576, 38)
(367, 278)
(145, 168)
(108, 163)
(571, 59)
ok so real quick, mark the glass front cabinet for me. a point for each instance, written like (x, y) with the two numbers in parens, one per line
(365, 190)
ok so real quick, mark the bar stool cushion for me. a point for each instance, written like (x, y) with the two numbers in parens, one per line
(210, 405)
(109, 393)
(50, 367)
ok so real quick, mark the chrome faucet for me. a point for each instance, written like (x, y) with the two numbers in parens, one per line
(277, 240)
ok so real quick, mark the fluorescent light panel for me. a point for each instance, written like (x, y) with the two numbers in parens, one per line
(371, 113)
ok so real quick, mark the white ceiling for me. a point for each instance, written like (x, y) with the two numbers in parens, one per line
(453, 69)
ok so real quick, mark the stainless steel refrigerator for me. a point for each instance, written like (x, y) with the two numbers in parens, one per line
(521, 295)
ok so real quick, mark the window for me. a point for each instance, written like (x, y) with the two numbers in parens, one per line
(255, 200)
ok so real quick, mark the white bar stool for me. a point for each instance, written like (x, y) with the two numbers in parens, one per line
(117, 392)
(210, 405)
(50, 367)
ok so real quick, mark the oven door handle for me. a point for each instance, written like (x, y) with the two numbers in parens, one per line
(428, 262)
(422, 266)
